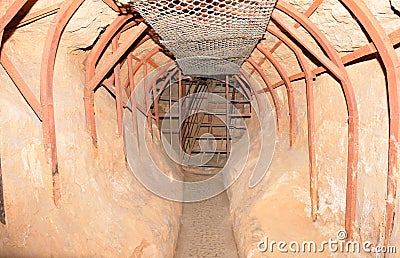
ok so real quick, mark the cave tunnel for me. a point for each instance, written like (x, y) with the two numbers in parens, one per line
(152, 128)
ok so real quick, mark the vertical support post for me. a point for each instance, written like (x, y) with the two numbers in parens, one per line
(310, 118)
(227, 116)
(333, 63)
(133, 98)
(90, 115)
(392, 65)
(169, 109)
(289, 90)
(2, 209)
(156, 101)
(311, 149)
(209, 89)
(118, 89)
(147, 99)
(274, 96)
(46, 88)
(180, 103)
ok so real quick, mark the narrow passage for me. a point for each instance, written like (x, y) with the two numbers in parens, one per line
(206, 227)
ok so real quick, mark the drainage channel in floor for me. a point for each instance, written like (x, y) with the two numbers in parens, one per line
(206, 227)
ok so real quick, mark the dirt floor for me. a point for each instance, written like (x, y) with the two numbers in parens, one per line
(206, 227)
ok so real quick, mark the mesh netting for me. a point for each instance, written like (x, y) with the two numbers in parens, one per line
(206, 35)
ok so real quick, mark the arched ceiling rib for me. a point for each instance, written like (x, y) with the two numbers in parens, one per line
(289, 89)
(308, 13)
(305, 67)
(392, 66)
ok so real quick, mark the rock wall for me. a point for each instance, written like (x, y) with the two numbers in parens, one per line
(279, 208)
(104, 211)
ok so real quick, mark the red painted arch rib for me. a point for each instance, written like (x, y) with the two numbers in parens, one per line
(352, 163)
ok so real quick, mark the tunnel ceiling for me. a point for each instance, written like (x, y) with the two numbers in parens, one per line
(311, 42)
(208, 37)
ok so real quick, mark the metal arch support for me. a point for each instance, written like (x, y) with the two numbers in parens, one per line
(104, 40)
(118, 87)
(253, 88)
(352, 166)
(244, 87)
(289, 89)
(131, 84)
(144, 60)
(91, 62)
(22, 86)
(365, 51)
(149, 61)
(392, 64)
(112, 5)
(133, 99)
(9, 15)
(46, 87)
(140, 64)
(319, 55)
(8, 65)
(310, 117)
(275, 98)
(308, 13)
(314, 6)
(162, 88)
(100, 75)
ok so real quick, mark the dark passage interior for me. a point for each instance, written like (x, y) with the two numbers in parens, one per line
(199, 117)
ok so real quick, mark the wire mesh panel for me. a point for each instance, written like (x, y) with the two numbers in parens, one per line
(207, 36)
